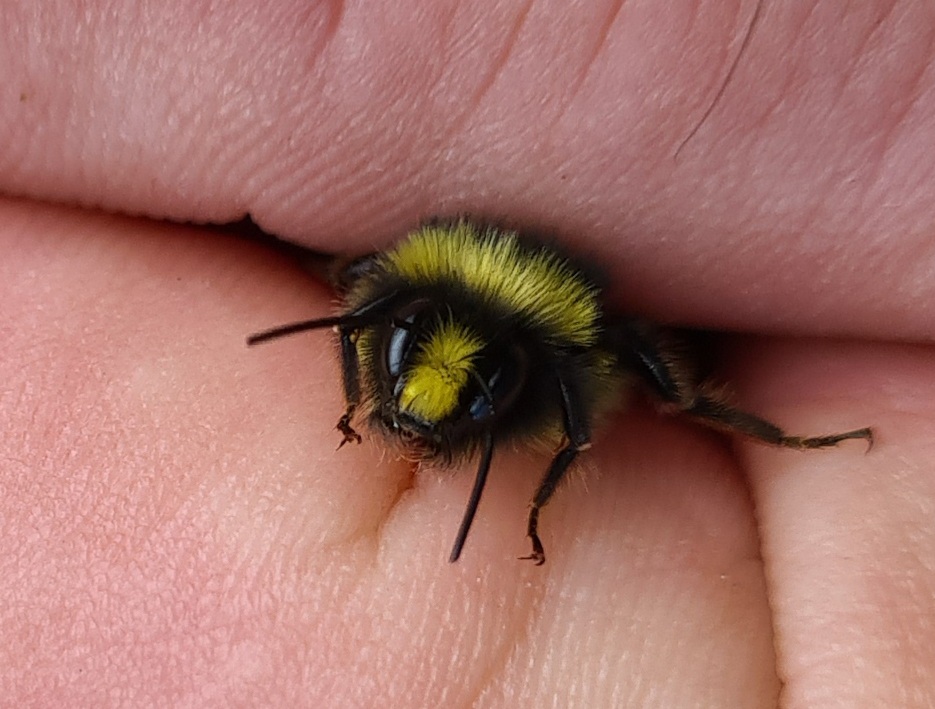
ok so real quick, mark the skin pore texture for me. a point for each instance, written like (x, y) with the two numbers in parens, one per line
(176, 528)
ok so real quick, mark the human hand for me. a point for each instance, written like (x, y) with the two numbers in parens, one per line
(177, 528)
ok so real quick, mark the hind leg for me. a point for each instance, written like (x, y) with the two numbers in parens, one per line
(664, 368)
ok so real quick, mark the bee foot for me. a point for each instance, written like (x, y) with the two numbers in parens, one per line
(350, 435)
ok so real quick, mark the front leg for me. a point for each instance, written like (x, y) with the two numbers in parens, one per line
(351, 366)
(578, 434)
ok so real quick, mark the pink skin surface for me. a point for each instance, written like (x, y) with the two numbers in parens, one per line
(176, 528)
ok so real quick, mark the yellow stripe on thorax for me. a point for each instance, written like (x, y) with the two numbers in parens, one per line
(493, 264)
(440, 371)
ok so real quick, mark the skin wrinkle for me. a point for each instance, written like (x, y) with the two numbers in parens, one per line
(497, 663)
(453, 125)
(495, 70)
(862, 49)
(888, 139)
(448, 32)
(898, 120)
(405, 171)
(770, 587)
(377, 530)
(479, 652)
(843, 80)
(731, 70)
(812, 217)
(335, 16)
(803, 228)
(501, 662)
(493, 663)
(586, 66)
(276, 181)
(853, 73)
(879, 146)
(791, 82)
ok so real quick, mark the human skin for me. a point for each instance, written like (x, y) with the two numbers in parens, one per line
(176, 527)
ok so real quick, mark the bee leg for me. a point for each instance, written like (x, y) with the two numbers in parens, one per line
(577, 430)
(712, 411)
(351, 367)
(349, 327)
(546, 488)
(344, 426)
(661, 367)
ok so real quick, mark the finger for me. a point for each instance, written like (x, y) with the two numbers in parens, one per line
(848, 535)
(329, 129)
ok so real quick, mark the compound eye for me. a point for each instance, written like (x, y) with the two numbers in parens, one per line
(499, 386)
(399, 344)
(403, 328)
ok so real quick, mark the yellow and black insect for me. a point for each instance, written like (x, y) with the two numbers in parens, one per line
(463, 337)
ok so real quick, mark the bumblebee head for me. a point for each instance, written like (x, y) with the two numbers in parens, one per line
(444, 379)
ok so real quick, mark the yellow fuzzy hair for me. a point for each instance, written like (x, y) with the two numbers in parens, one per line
(535, 283)
(440, 371)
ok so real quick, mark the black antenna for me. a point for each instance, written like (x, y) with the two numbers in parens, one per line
(293, 328)
(473, 500)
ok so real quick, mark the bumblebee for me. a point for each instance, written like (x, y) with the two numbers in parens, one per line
(463, 337)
